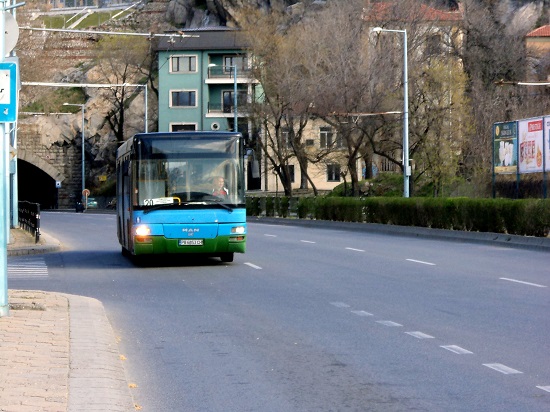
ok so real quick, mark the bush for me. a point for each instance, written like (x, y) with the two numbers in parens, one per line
(519, 217)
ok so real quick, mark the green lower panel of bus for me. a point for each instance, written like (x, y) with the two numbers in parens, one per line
(160, 244)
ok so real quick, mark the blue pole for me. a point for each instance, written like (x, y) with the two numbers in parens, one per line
(4, 189)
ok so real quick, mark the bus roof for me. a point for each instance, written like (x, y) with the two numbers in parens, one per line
(125, 147)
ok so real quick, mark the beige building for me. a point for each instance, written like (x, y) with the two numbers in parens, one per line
(537, 43)
(320, 140)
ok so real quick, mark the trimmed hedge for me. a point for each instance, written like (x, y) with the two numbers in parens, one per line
(529, 217)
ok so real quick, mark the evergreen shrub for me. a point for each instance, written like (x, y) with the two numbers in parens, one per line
(529, 217)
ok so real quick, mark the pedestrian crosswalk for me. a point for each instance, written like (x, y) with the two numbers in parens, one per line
(28, 268)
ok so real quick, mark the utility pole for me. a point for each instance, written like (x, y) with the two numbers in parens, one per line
(8, 114)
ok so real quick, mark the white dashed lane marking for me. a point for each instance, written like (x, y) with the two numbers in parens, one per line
(389, 323)
(355, 250)
(499, 367)
(420, 335)
(523, 283)
(361, 313)
(252, 265)
(457, 349)
(421, 262)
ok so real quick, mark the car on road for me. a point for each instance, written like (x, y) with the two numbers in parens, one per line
(92, 203)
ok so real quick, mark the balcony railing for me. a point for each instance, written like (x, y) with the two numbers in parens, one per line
(227, 72)
(220, 108)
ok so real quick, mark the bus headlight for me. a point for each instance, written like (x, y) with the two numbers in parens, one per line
(238, 230)
(143, 230)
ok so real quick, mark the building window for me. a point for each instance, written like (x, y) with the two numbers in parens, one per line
(182, 127)
(310, 142)
(333, 173)
(228, 100)
(328, 139)
(285, 138)
(240, 61)
(183, 64)
(183, 98)
(291, 171)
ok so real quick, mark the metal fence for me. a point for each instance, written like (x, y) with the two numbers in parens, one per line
(29, 218)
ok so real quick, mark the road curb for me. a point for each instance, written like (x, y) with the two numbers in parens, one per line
(97, 379)
(46, 244)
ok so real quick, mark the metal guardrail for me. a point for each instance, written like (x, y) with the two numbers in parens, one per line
(29, 218)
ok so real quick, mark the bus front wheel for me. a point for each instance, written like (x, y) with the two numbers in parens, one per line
(226, 257)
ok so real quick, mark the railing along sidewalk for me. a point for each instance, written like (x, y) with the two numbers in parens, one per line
(29, 218)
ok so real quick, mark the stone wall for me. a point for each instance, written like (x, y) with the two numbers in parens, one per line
(61, 160)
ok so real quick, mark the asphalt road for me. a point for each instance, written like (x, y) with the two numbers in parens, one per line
(315, 319)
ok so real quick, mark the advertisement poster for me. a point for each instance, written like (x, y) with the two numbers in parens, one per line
(547, 143)
(505, 138)
(530, 133)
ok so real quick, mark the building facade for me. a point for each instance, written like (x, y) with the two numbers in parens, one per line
(199, 73)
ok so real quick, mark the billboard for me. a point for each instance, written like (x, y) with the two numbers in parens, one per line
(530, 132)
(505, 153)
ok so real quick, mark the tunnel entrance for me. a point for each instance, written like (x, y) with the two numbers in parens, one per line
(34, 185)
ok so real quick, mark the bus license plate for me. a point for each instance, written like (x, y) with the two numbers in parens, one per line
(190, 242)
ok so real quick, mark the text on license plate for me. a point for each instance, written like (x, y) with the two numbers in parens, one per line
(190, 242)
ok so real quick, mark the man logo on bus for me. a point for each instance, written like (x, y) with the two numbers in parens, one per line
(190, 232)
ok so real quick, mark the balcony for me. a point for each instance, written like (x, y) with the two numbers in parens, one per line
(220, 108)
(226, 75)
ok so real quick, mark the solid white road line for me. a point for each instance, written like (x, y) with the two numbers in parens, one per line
(421, 261)
(457, 349)
(524, 283)
(252, 265)
(419, 335)
(499, 367)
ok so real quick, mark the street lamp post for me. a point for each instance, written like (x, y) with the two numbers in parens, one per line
(235, 116)
(406, 166)
(82, 109)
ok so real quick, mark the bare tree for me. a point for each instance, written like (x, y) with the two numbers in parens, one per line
(494, 50)
(283, 109)
(340, 82)
(121, 60)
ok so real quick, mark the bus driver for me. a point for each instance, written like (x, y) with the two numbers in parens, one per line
(219, 188)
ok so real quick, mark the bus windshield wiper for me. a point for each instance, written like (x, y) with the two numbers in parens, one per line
(157, 207)
(209, 202)
(192, 202)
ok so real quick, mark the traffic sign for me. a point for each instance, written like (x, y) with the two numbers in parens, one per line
(8, 87)
(86, 192)
(12, 32)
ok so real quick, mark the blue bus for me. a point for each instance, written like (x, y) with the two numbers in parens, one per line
(182, 193)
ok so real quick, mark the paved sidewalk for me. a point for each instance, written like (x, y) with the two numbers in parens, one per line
(58, 351)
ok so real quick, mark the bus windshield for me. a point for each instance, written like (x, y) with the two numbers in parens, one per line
(188, 172)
